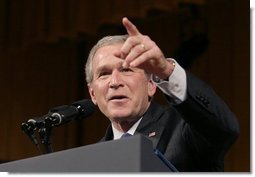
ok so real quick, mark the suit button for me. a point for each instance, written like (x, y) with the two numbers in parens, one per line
(204, 101)
(199, 97)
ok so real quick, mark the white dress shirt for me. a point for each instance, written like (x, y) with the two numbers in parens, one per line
(117, 134)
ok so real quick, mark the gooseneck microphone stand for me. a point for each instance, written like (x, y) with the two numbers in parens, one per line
(43, 126)
(44, 132)
(45, 136)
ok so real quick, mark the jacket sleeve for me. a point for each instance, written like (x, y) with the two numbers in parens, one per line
(210, 126)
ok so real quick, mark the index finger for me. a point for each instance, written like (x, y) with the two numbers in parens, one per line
(130, 27)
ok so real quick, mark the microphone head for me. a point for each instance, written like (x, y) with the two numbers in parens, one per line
(85, 107)
(37, 122)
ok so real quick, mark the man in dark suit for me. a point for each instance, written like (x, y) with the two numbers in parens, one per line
(197, 128)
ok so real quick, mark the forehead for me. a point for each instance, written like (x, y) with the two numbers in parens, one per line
(107, 55)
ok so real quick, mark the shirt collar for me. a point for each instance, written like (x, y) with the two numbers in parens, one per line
(117, 134)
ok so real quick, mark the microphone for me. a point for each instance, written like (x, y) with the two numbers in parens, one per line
(77, 110)
(60, 115)
(39, 122)
(55, 117)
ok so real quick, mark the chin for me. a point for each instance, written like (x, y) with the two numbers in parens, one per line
(121, 116)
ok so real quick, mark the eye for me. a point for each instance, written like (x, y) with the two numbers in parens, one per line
(126, 70)
(103, 73)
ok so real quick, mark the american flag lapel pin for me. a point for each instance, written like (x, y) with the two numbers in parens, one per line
(151, 134)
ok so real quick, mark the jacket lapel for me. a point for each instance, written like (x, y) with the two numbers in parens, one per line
(150, 126)
(108, 134)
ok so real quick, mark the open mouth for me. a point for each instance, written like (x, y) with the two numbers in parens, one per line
(118, 97)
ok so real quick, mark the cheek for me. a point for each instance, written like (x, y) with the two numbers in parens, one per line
(100, 89)
(146, 91)
(139, 89)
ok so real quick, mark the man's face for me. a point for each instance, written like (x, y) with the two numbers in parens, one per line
(122, 94)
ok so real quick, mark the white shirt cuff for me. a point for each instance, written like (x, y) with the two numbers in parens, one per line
(176, 86)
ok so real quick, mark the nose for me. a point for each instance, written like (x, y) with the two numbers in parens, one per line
(116, 80)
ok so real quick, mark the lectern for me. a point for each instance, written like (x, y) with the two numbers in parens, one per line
(131, 154)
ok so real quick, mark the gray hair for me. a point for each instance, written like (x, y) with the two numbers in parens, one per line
(108, 40)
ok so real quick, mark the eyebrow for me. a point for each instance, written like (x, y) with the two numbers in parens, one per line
(107, 66)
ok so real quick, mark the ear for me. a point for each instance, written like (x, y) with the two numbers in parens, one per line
(92, 94)
(151, 88)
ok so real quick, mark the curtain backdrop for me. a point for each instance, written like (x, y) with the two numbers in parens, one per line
(44, 45)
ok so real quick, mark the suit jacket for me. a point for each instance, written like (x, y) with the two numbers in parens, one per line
(194, 135)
